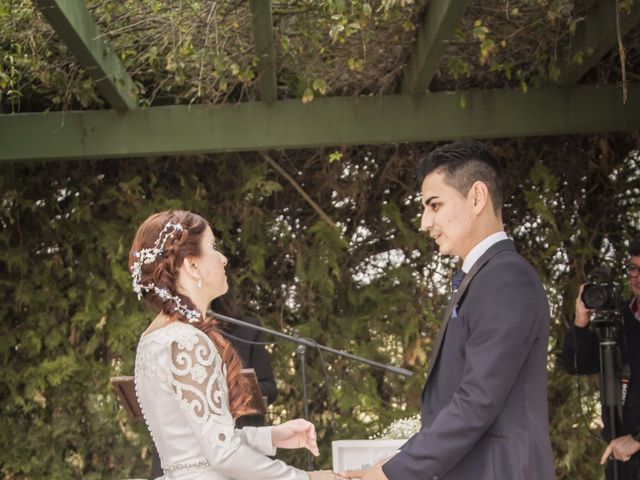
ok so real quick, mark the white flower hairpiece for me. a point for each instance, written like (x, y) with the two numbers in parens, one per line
(149, 255)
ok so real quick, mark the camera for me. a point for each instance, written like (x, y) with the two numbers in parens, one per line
(600, 296)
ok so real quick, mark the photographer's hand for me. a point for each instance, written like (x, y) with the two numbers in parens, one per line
(583, 314)
(621, 448)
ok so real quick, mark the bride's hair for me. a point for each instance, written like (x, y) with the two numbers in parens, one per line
(162, 275)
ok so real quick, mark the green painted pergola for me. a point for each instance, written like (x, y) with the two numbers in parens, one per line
(412, 115)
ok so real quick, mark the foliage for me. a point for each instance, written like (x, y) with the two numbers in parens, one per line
(372, 286)
(203, 52)
(524, 43)
(192, 51)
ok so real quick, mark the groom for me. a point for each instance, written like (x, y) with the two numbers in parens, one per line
(484, 403)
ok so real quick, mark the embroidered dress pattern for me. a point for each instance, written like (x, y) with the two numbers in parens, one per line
(193, 364)
(181, 386)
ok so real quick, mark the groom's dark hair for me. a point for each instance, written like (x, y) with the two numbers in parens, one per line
(464, 163)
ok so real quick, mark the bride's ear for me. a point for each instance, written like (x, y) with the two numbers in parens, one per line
(190, 267)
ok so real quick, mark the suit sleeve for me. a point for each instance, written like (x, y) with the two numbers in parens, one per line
(259, 360)
(580, 352)
(507, 318)
(264, 372)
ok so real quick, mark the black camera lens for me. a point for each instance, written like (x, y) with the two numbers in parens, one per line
(600, 296)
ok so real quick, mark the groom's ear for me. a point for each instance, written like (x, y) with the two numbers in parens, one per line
(479, 196)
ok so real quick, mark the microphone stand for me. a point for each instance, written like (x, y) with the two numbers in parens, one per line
(303, 343)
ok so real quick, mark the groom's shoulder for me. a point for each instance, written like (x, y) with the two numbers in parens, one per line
(509, 264)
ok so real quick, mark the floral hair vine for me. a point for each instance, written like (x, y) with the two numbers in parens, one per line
(149, 255)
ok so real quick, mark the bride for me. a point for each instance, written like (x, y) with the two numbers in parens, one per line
(187, 375)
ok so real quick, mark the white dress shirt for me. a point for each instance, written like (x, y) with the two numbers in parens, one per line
(477, 251)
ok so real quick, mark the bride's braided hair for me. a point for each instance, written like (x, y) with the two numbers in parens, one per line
(156, 282)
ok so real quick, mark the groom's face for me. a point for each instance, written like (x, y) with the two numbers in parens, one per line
(447, 216)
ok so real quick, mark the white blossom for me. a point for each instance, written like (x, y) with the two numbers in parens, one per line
(401, 428)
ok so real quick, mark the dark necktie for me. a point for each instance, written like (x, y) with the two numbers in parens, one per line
(456, 281)
(458, 276)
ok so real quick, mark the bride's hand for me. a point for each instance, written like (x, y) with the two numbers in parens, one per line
(296, 433)
(323, 475)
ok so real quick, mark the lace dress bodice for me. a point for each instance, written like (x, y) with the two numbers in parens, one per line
(181, 386)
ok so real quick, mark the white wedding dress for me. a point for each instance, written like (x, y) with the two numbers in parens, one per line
(182, 389)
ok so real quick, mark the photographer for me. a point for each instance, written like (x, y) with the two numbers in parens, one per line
(581, 355)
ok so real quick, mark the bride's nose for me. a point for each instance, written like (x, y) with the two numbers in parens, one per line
(224, 260)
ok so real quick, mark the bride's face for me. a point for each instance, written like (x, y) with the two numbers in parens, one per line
(214, 278)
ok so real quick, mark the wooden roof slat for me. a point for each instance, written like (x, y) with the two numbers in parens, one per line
(262, 21)
(440, 20)
(180, 130)
(76, 27)
(596, 34)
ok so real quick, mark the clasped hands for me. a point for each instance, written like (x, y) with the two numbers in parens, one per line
(300, 433)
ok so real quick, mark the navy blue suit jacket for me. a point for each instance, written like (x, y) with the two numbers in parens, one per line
(484, 406)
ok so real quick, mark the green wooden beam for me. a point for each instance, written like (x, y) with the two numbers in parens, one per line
(265, 49)
(74, 24)
(440, 20)
(196, 129)
(594, 37)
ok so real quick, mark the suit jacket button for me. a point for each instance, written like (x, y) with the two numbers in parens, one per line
(436, 477)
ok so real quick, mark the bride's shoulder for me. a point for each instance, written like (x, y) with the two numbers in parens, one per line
(174, 332)
(186, 335)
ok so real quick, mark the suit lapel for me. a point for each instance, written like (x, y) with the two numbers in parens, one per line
(491, 252)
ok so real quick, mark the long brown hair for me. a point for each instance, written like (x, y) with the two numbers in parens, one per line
(163, 272)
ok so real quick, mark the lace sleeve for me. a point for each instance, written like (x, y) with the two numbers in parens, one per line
(199, 385)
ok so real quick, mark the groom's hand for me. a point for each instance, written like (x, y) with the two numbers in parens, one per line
(374, 473)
